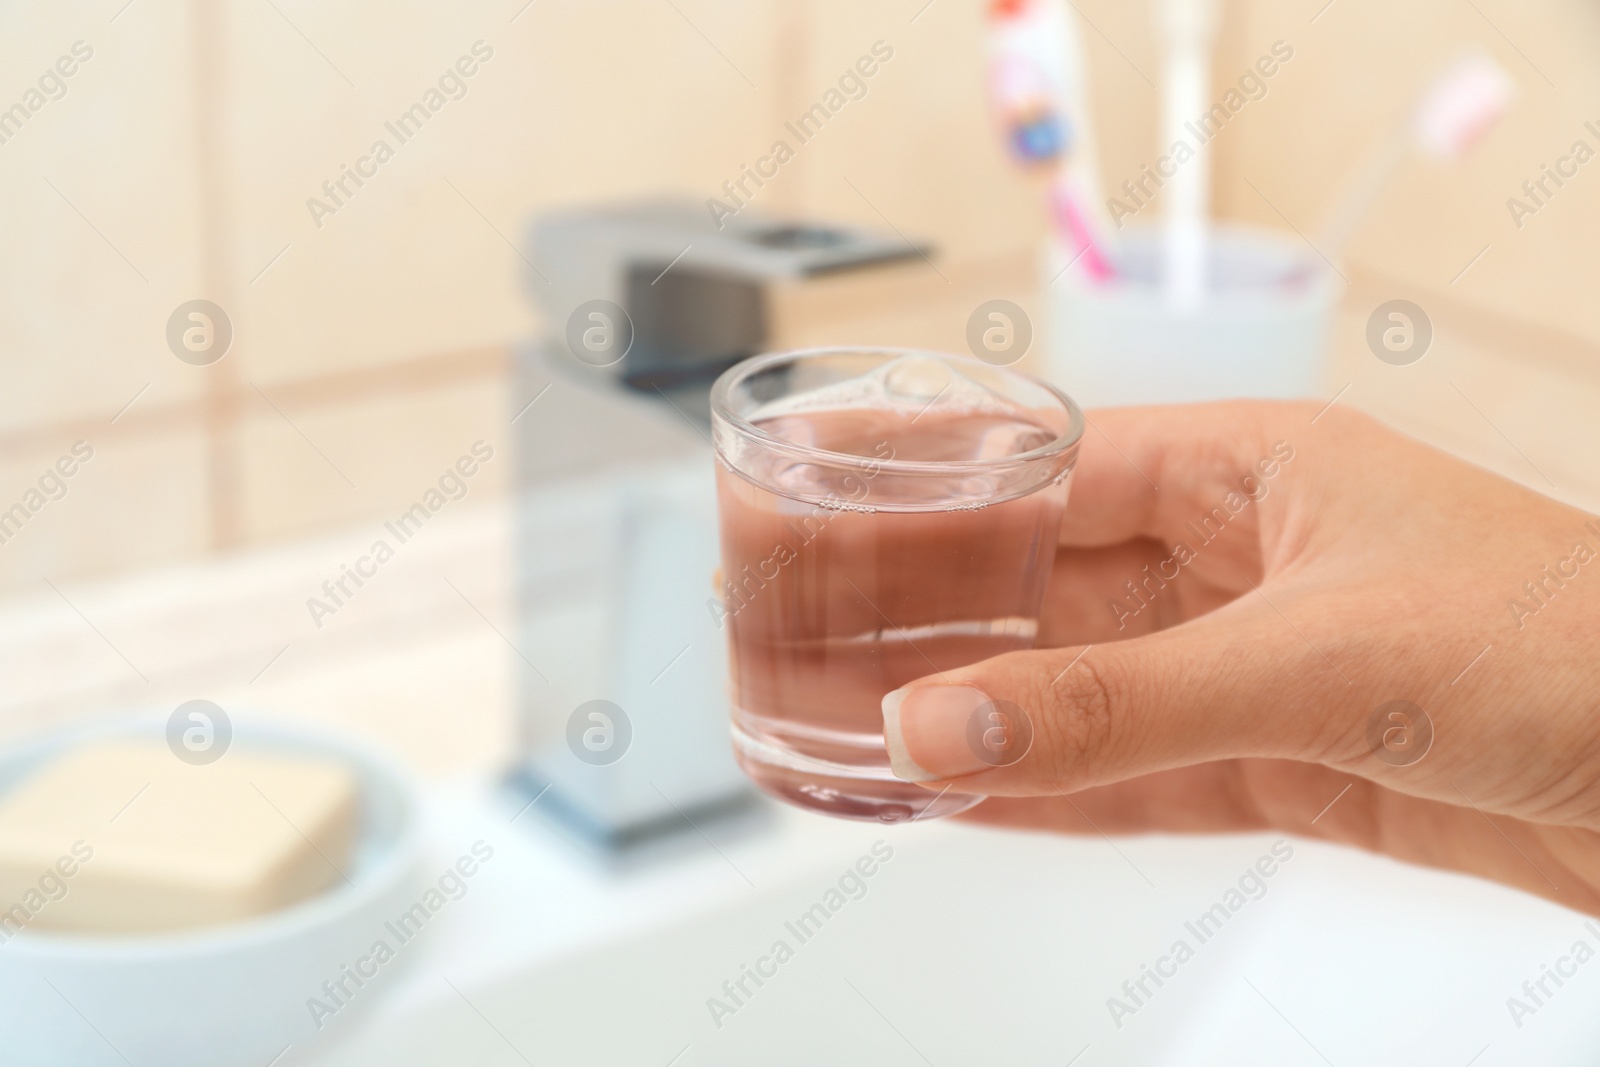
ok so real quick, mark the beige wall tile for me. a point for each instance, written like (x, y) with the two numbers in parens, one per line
(83, 313)
(1528, 419)
(138, 501)
(579, 102)
(311, 466)
(393, 448)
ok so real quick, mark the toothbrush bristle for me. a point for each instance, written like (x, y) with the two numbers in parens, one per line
(1461, 106)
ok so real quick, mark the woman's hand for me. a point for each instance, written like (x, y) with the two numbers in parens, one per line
(1265, 617)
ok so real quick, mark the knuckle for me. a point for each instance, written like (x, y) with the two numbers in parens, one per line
(1075, 727)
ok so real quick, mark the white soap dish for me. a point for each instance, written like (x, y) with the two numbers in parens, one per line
(238, 993)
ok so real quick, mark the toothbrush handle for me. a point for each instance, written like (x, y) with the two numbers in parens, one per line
(1072, 219)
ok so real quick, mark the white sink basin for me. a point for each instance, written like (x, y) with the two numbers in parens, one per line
(967, 947)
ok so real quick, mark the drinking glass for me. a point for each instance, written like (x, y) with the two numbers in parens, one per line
(885, 515)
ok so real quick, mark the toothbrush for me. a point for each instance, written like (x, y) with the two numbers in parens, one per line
(1036, 87)
(1448, 119)
(1188, 27)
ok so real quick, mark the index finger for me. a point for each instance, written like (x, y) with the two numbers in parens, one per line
(1175, 471)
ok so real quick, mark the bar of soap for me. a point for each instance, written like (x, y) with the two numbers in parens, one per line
(124, 837)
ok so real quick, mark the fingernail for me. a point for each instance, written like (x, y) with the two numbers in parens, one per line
(925, 729)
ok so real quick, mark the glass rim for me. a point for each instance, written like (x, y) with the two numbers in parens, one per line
(720, 409)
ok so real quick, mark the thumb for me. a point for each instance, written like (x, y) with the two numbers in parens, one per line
(1238, 682)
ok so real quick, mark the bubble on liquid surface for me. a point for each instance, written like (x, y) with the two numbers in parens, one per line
(917, 378)
(915, 384)
(915, 409)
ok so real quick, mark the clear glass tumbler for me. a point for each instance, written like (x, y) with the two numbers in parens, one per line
(885, 515)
